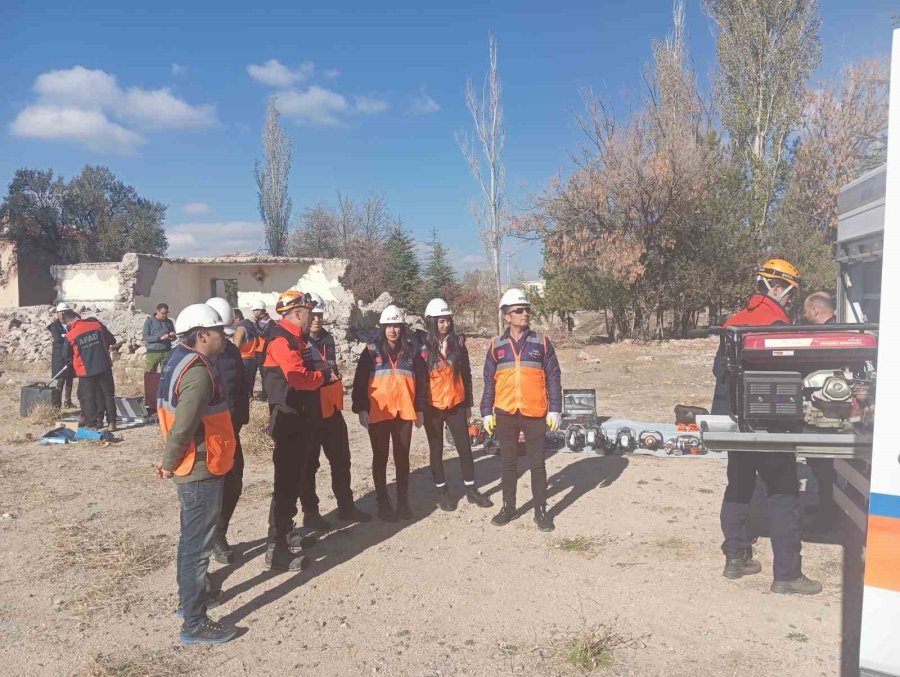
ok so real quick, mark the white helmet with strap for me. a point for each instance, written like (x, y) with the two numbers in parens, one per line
(197, 316)
(514, 297)
(391, 315)
(438, 308)
(319, 308)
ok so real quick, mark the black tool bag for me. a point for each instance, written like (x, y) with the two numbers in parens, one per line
(687, 414)
(35, 393)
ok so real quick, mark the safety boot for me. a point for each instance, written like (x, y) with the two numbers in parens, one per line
(445, 503)
(798, 586)
(351, 513)
(386, 510)
(280, 557)
(314, 520)
(542, 519)
(222, 551)
(741, 564)
(476, 497)
(507, 512)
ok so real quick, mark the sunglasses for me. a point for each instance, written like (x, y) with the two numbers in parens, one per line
(519, 311)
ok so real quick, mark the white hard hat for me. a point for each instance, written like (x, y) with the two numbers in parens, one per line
(320, 303)
(258, 305)
(438, 308)
(391, 315)
(197, 316)
(226, 312)
(62, 307)
(514, 297)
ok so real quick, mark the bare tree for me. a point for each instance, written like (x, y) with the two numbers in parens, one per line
(766, 49)
(272, 181)
(487, 116)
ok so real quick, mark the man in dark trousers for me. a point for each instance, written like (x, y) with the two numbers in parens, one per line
(64, 378)
(87, 347)
(294, 410)
(818, 308)
(777, 281)
(230, 368)
(159, 331)
(262, 320)
(331, 433)
(522, 393)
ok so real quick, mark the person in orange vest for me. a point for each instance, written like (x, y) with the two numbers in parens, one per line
(445, 359)
(199, 452)
(777, 282)
(294, 411)
(331, 433)
(87, 349)
(522, 394)
(250, 342)
(389, 397)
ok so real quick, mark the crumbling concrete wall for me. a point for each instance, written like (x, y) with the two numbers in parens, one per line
(96, 284)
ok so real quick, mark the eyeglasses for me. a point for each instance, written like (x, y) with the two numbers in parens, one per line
(520, 311)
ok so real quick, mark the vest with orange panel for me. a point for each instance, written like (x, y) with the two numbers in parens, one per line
(90, 351)
(521, 382)
(392, 386)
(319, 356)
(253, 341)
(445, 384)
(215, 431)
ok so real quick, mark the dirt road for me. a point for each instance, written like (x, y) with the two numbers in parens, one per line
(633, 570)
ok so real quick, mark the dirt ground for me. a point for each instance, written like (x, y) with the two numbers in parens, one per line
(630, 580)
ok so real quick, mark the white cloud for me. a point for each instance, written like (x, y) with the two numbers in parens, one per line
(178, 70)
(424, 104)
(331, 73)
(88, 107)
(276, 74)
(196, 208)
(89, 128)
(315, 106)
(368, 105)
(215, 238)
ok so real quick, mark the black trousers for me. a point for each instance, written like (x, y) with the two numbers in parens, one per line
(331, 436)
(251, 366)
(779, 472)
(233, 486)
(289, 458)
(381, 435)
(97, 395)
(507, 434)
(64, 383)
(260, 358)
(455, 419)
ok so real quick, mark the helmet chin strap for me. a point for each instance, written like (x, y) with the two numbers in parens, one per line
(781, 298)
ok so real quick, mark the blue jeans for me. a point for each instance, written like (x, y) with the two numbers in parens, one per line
(201, 503)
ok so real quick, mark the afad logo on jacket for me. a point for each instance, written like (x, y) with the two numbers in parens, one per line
(501, 352)
(534, 352)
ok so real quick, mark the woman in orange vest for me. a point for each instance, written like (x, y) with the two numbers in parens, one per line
(444, 358)
(389, 396)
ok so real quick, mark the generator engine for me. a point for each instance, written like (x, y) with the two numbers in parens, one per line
(838, 399)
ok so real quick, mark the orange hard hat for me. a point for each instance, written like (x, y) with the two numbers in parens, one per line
(293, 298)
(779, 269)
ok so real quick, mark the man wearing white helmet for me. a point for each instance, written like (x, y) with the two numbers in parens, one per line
(389, 396)
(331, 433)
(237, 391)
(444, 358)
(60, 369)
(262, 320)
(522, 394)
(199, 453)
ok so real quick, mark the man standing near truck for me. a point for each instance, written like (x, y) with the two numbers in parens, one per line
(777, 282)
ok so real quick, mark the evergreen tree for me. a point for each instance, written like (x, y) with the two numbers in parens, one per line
(440, 277)
(403, 276)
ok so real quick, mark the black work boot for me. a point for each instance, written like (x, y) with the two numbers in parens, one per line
(351, 513)
(386, 510)
(476, 497)
(741, 564)
(404, 512)
(542, 519)
(798, 586)
(222, 552)
(280, 557)
(208, 632)
(297, 540)
(314, 520)
(507, 512)
(444, 501)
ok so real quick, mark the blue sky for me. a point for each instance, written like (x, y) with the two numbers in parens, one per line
(171, 96)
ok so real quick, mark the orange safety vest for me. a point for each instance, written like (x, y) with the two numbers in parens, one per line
(446, 387)
(253, 341)
(392, 387)
(322, 356)
(521, 382)
(216, 430)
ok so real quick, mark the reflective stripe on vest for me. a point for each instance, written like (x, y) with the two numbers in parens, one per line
(216, 427)
(521, 382)
(392, 387)
(331, 394)
(445, 386)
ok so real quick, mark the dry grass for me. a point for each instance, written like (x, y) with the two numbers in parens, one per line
(141, 664)
(129, 379)
(582, 545)
(595, 646)
(19, 438)
(43, 415)
(113, 558)
(255, 439)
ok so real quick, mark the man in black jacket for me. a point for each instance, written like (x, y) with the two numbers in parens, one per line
(64, 378)
(87, 347)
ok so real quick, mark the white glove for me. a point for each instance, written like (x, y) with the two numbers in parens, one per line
(554, 418)
(420, 419)
(364, 419)
(490, 422)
